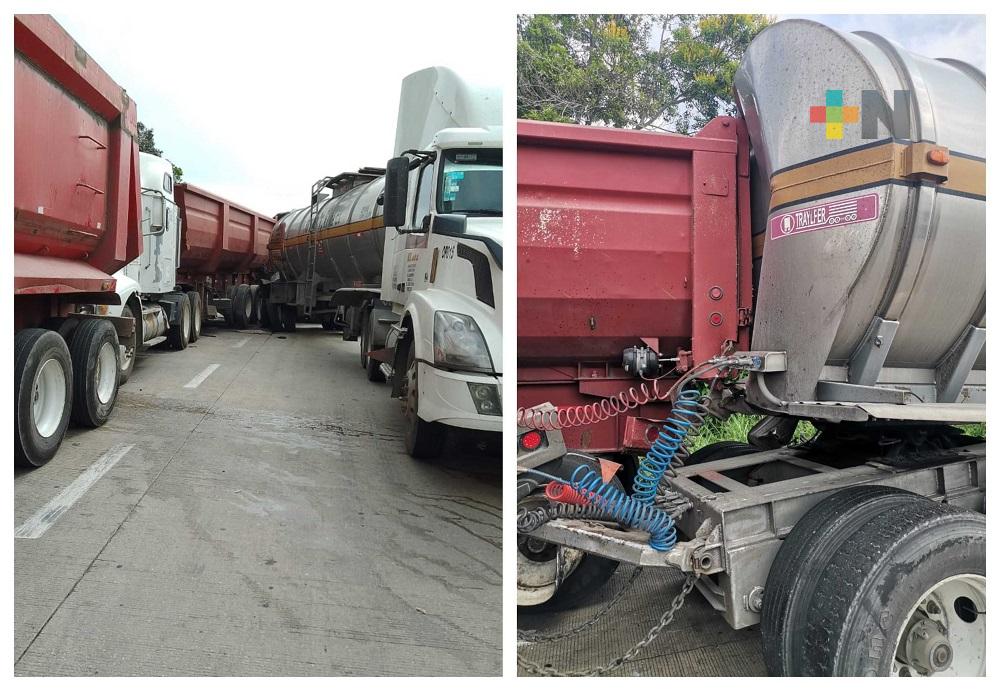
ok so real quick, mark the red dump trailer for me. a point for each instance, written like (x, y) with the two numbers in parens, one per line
(76, 222)
(622, 234)
(222, 246)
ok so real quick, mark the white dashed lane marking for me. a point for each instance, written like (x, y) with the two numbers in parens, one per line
(200, 377)
(62, 502)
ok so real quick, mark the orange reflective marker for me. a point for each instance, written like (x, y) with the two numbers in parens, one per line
(608, 469)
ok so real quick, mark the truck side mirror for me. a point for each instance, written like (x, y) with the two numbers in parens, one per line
(397, 180)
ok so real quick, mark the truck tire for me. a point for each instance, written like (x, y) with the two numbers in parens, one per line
(96, 370)
(242, 306)
(131, 346)
(273, 315)
(350, 332)
(904, 596)
(196, 315)
(288, 316)
(423, 439)
(255, 304)
(179, 334)
(43, 392)
(265, 312)
(803, 556)
(589, 576)
(373, 368)
(716, 451)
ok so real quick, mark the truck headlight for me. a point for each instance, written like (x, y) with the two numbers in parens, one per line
(459, 344)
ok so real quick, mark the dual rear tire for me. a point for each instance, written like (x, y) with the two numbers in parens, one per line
(876, 581)
(55, 382)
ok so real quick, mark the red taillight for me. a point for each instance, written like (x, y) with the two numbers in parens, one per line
(531, 440)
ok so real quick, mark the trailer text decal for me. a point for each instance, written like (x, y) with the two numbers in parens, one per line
(829, 215)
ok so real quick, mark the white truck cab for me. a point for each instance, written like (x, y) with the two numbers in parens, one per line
(443, 262)
(147, 286)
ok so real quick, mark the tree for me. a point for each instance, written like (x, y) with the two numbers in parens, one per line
(669, 72)
(147, 145)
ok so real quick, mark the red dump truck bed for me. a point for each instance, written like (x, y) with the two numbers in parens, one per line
(217, 236)
(624, 238)
(76, 166)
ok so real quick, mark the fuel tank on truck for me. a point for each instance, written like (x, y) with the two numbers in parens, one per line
(347, 228)
(869, 209)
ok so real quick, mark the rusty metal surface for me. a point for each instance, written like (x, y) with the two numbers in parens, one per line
(76, 193)
(698, 643)
(626, 237)
(218, 235)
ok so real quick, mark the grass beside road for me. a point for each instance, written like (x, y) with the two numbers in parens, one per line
(737, 426)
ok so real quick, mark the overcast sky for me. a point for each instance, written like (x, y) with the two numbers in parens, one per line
(257, 107)
(959, 36)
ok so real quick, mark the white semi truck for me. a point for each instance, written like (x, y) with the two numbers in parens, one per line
(409, 260)
(197, 252)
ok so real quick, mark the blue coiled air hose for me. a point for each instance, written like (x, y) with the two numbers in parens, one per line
(637, 511)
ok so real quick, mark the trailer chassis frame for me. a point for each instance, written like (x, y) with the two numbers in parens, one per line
(733, 531)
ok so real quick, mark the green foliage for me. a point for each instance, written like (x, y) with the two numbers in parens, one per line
(628, 70)
(147, 145)
(736, 427)
(977, 429)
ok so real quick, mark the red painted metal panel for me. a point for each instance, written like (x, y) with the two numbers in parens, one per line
(219, 236)
(76, 192)
(624, 238)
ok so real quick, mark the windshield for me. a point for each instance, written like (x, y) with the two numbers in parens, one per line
(471, 182)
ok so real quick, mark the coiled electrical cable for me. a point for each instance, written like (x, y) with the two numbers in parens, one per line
(650, 391)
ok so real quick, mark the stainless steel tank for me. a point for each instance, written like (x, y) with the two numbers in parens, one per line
(348, 231)
(873, 267)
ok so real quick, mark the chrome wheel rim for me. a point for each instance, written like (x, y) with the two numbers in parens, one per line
(944, 633)
(186, 328)
(106, 374)
(48, 397)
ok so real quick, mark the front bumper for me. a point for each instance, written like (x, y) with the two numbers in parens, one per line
(445, 398)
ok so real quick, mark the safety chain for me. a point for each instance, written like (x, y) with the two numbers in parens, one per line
(535, 637)
(665, 620)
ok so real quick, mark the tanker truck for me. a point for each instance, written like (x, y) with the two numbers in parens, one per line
(76, 205)
(199, 255)
(408, 260)
(819, 258)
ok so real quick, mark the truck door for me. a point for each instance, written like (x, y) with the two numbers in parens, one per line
(410, 257)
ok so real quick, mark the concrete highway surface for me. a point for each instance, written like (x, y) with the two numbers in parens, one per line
(249, 510)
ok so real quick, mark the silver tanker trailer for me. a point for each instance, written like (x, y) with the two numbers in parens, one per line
(862, 550)
(409, 260)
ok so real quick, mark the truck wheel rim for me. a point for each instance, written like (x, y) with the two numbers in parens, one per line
(128, 352)
(107, 373)
(248, 308)
(48, 397)
(196, 318)
(945, 632)
(186, 326)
